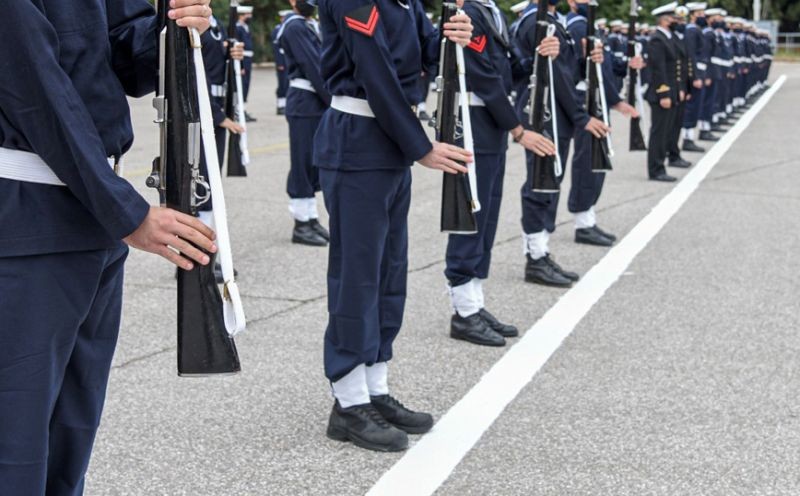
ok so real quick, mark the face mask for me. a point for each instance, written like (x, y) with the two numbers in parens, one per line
(737, 31)
(701, 21)
(680, 27)
(718, 25)
(304, 8)
(248, 20)
(583, 9)
(673, 26)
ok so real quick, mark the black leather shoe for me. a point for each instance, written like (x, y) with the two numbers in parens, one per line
(717, 128)
(281, 111)
(505, 330)
(304, 234)
(572, 276)
(541, 271)
(680, 163)
(401, 417)
(589, 236)
(689, 146)
(604, 233)
(317, 227)
(249, 118)
(664, 178)
(365, 427)
(218, 273)
(423, 116)
(707, 136)
(475, 330)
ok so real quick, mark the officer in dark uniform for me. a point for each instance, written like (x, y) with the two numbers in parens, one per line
(539, 209)
(694, 41)
(372, 54)
(244, 35)
(64, 215)
(663, 93)
(489, 82)
(706, 111)
(280, 66)
(307, 99)
(718, 66)
(685, 72)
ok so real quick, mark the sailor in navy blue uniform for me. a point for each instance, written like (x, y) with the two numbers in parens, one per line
(539, 209)
(723, 58)
(694, 41)
(307, 99)
(64, 214)
(280, 66)
(372, 54)
(710, 85)
(617, 44)
(244, 35)
(489, 82)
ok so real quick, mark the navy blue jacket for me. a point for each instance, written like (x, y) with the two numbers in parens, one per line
(374, 50)
(215, 62)
(64, 74)
(244, 35)
(694, 40)
(576, 27)
(277, 53)
(302, 50)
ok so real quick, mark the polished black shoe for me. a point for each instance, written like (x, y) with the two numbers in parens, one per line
(475, 330)
(604, 233)
(281, 111)
(401, 417)
(365, 427)
(304, 234)
(572, 276)
(664, 178)
(589, 236)
(249, 118)
(718, 128)
(423, 116)
(680, 163)
(317, 227)
(505, 330)
(690, 146)
(541, 271)
(218, 273)
(707, 136)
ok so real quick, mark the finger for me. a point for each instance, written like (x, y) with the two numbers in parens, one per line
(457, 149)
(199, 23)
(197, 225)
(175, 258)
(450, 165)
(192, 11)
(187, 3)
(195, 237)
(188, 250)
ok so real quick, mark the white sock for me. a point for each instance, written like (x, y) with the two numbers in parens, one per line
(535, 244)
(478, 288)
(298, 209)
(464, 299)
(688, 134)
(281, 102)
(586, 219)
(352, 389)
(377, 379)
(311, 208)
(206, 217)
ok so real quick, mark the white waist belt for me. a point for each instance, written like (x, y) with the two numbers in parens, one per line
(302, 84)
(350, 105)
(249, 53)
(702, 66)
(28, 167)
(721, 62)
(474, 100)
(218, 90)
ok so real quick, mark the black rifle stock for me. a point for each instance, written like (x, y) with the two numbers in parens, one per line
(595, 106)
(636, 137)
(236, 165)
(204, 346)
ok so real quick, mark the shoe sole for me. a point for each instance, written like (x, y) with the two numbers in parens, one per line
(592, 243)
(306, 243)
(412, 430)
(462, 338)
(341, 435)
(540, 282)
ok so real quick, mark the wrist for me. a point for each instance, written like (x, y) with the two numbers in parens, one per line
(517, 133)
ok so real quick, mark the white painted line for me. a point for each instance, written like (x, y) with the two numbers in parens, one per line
(430, 462)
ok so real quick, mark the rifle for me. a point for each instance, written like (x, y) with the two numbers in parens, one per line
(542, 109)
(634, 83)
(601, 151)
(238, 154)
(459, 191)
(205, 323)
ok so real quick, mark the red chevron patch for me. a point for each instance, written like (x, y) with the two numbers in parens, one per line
(363, 20)
(478, 43)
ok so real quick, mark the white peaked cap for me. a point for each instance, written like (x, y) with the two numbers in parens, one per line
(692, 6)
(519, 7)
(616, 23)
(665, 9)
(244, 9)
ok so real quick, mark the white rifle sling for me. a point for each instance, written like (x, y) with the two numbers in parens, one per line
(603, 104)
(466, 127)
(557, 167)
(239, 103)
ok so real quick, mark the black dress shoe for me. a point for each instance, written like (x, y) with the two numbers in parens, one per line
(249, 118)
(604, 233)
(707, 136)
(218, 273)
(689, 146)
(401, 417)
(572, 276)
(423, 116)
(589, 236)
(505, 330)
(317, 227)
(475, 330)
(541, 271)
(304, 234)
(664, 178)
(281, 111)
(365, 427)
(680, 163)
(718, 128)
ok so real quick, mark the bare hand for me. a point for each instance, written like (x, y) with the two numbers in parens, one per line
(636, 62)
(627, 110)
(459, 29)
(537, 143)
(682, 95)
(165, 230)
(191, 13)
(697, 83)
(446, 158)
(597, 54)
(597, 127)
(549, 47)
(237, 52)
(666, 103)
(232, 126)
(708, 81)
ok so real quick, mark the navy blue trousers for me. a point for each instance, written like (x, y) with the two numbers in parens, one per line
(303, 181)
(691, 114)
(721, 95)
(367, 265)
(247, 65)
(469, 256)
(709, 97)
(283, 83)
(539, 209)
(586, 185)
(59, 321)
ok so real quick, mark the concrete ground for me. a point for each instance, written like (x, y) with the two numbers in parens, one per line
(682, 380)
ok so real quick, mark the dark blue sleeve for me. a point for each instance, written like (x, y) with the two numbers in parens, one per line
(132, 28)
(38, 98)
(609, 86)
(297, 39)
(619, 58)
(691, 40)
(429, 38)
(566, 95)
(482, 78)
(213, 59)
(376, 73)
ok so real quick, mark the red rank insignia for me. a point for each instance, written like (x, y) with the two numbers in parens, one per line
(364, 19)
(478, 43)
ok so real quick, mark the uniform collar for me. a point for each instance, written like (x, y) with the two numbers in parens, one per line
(666, 32)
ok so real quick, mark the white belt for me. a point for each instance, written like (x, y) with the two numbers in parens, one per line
(28, 167)
(702, 66)
(302, 84)
(747, 60)
(218, 90)
(474, 100)
(350, 105)
(721, 62)
(249, 53)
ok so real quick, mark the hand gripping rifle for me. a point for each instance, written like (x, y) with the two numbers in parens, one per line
(542, 109)
(601, 151)
(238, 154)
(634, 82)
(459, 191)
(206, 321)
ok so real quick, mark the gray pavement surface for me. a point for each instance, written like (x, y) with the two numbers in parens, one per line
(682, 380)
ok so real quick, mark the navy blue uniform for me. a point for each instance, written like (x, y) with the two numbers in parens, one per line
(694, 41)
(280, 68)
(372, 50)
(243, 35)
(305, 102)
(64, 85)
(709, 92)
